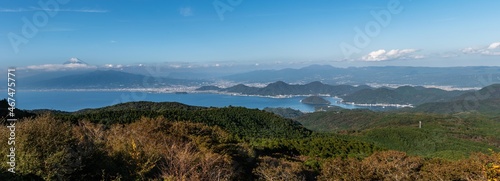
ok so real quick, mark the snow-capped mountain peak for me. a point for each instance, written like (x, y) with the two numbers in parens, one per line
(74, 61)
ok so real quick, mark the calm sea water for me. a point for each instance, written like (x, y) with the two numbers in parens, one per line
(76, 100)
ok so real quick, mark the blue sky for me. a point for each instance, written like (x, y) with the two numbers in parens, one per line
(127, 32)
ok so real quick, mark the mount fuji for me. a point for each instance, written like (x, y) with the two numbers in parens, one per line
(75, 61)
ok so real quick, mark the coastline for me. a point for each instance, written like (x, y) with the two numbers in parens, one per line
(191, 90)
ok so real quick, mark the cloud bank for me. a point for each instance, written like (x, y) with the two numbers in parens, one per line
(394, 54)
(492, 49)
(57, 67)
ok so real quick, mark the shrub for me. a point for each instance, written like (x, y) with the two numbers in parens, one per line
(392, 165)
(342, 169)
(48, 149)
(156, 148)
(270, 168)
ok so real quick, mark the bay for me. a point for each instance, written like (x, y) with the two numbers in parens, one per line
(77, 100)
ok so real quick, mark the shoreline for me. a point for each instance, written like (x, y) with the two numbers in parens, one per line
(191, 90)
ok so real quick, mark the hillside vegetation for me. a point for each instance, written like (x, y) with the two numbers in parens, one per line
(485, 101)
(237, 120)
(401, 95)
(174, 141)
(443, 136)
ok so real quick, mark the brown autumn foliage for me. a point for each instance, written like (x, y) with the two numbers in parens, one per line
(492, 168)
(155, 146)
(147, 149)
(394, 165)
(270, 168)
(157, 149)
(342, 169)
(385, 165)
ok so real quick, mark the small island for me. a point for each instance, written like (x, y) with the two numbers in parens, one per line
(315, 100)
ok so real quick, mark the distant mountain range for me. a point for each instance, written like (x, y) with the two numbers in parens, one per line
(358, 94)
(282, 88)
(75, 73)
(449, 76)
(102, 79)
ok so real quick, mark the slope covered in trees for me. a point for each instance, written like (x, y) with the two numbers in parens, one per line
(284, 112)
(237, 120)
(401, 95)
(444, 136)
(157, 148)
(485, 101)
(315, 100)
(358, 94)
(132, 142)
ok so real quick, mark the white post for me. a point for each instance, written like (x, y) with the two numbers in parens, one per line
(420, 124)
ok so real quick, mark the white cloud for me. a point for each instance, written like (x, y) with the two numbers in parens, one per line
(494, 45)
(112, 66)
(56, 67)
(383, 55)
(470, 50)
(71, 64)
(492, 49)
(186, 11)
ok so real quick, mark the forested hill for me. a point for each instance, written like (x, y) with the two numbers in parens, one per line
(362, 94)
(441, 135)
(282, 88)
(173, 141)
(401, 95)
(237, 120)
(315, 100)
(486, 101)
(143, 105)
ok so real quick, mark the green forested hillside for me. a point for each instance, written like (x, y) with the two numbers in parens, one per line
(401, 95)
(172, 141)
(284, 112)
(444, 136)
(485, 101)
(315, 100)
(237, 120)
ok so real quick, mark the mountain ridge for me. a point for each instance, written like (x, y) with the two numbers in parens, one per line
(106, 79)
(282, 88)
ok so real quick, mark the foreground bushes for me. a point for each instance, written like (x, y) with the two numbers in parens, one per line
(158, 149)
(394, 165)
(147, 149)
